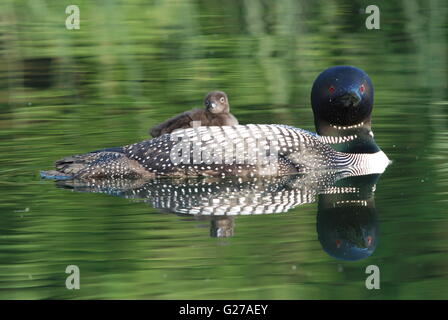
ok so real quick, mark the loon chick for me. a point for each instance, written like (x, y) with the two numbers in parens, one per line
(216, 113)
(342, 100)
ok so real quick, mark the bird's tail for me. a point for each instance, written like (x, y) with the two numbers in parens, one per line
(68, 167)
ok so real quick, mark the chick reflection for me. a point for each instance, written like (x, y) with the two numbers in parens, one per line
(222, 227)
(346, 219)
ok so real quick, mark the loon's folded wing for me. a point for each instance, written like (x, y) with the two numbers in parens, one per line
(243, 149)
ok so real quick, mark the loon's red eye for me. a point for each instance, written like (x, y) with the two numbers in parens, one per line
(331, 89)
(362, 88)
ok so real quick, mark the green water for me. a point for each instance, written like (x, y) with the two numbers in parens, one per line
(134, 63)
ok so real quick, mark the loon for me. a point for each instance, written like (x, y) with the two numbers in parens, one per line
(342, 102)
(216, 113)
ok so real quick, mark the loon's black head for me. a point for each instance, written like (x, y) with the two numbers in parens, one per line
(217, 102)
(349, 232)
(342, 96)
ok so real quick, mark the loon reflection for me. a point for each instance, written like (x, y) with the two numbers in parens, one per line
(346, 218)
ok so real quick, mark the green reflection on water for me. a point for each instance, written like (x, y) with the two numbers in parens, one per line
(133, 64)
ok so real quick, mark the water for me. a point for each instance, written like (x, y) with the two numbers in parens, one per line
(133, 64)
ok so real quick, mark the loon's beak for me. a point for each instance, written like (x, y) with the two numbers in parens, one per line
(350, 99)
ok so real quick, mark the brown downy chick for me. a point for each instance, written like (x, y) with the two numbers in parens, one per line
(215, 113)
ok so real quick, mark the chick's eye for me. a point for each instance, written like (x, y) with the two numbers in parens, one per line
(222, 99)
(331, 89)
(362, 88)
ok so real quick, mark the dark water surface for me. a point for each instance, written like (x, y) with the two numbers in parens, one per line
(134, 63)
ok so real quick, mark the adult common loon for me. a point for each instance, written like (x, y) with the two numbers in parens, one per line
(215, 113)
(342, 101)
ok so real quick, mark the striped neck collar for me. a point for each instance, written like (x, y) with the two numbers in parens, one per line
(356, 138)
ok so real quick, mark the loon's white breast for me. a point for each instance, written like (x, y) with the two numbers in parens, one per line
(370, 163)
